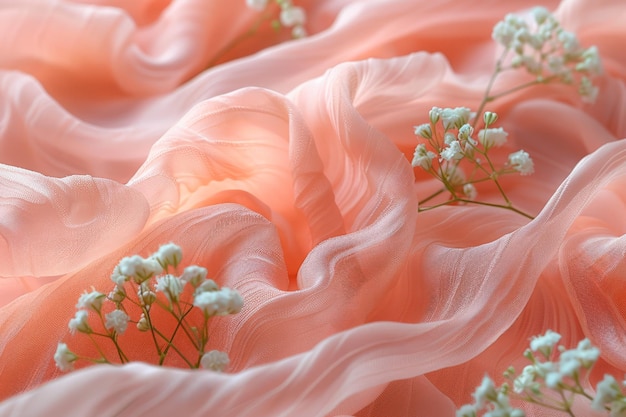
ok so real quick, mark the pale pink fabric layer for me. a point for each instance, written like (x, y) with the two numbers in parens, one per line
(286, 173)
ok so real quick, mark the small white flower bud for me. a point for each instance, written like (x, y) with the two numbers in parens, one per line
(470, 191)
(215, 360)
(258, 5)
(168, 254)
(521, 161)
(453, 151)
(467, 410)
(171, 286)
(298, 32)
(139, 268)
(64, 358)
(145, 295)
(490, 118)
(143, 324)
(485, 392)
(546, 343)
(422, 157)
(434, 115)
(117, 277)
(79, 322)
(588, 92)
(117, 295)
(218, 303)
(117, 320)
(492, 137)
(569, 42)
(92, 301)
(465, 132)
(194, 275)
(207, 285)
(540, 14)
(607, 391)
(424, 131)
(292, 16)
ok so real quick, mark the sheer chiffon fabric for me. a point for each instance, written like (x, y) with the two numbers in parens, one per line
(286, 173)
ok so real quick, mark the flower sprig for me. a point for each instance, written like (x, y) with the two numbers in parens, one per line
(547, 52)
(143, 285)
(280, 14)
(290, 16)
(448, 145)
(551, 380)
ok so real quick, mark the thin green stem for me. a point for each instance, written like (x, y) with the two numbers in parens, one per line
(113, 336)
(486, 97)
(98, 348)
(230, 45)
(171, 344)
(170, 340)
(430, 197)
(566, 404)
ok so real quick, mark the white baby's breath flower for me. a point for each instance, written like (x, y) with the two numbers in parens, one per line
(569, 42)
(139, 268)
(217, 303)
(470, 191)
(607, 390)
(504, 32)
(545, 343)
(168, 254)
(434, 114)
(145, 295)
(207, 285)
(422, 157)
(64, 358)
(492, 137)
(171, 286)
(588, 92)
(583, 356)
(468, 410)
(485, 392)
(118, 294)
(117, 320)
(117, 277)
(541, 14)
(448, 138)
(453, 151)
(465, 132)
(92, 301)
(521, 162)
(194, 275)
(525, 382)
(143, 325)
(79, 322)
(453, 175)
(490, 118)
(591, 61)
(292, 16)
(423, 130)
(258, 5)
(298, 32)
(553, 379)
(215, 360)
(455, 118)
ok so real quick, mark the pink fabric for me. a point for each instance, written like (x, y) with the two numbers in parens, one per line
(286, 173)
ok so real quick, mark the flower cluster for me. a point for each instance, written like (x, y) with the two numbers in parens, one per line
(549, 52)
(447, 142)
(546, 51)
(290, 16)
(552, 380)
(141, 285)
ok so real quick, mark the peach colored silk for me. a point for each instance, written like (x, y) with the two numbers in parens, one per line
(284, 169)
